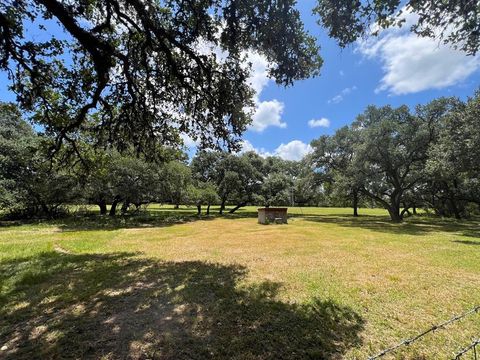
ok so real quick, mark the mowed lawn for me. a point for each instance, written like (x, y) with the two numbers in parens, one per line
(168, 285)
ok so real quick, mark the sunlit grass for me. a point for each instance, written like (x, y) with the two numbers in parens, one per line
(168, 284)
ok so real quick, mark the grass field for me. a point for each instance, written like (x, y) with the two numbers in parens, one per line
(168, 285)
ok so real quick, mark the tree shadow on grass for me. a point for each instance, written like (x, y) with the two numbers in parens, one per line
(90, 221)
(416, 225)
(122, 306)
(467, 242)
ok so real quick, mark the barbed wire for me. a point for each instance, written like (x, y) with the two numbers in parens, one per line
(472, 346)
(442, 325)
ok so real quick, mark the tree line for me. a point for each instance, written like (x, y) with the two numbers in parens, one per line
(403, 160)
(34, 184)
(395, 158)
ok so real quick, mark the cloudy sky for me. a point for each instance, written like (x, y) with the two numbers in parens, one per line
(395, 68)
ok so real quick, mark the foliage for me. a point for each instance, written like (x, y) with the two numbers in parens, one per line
(403, 160)
(390, 154)
(456, 22)
(144, 72)
(176, 178)
(333, 161)
(29, 183)
(454, 161)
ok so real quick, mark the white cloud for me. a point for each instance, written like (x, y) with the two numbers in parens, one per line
(268, 113)
(294, 150)
(246, 146)
(323, 122)
(339, 97)
(412, 64)
(259, 78)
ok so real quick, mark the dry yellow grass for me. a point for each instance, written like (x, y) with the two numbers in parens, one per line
(325, 286)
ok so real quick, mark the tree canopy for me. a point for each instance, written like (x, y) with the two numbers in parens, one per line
(455, 22)
(143, 72)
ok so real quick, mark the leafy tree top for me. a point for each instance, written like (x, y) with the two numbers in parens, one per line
(456, 22)
(134, 71)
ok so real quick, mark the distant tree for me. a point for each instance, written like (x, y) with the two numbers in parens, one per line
(453, 166)
(18, 143)
(276, 189)
(141, 72)
(176, 177)
(333, 160)
(244, 180)
(209, 196)
(119, 178)
(136, 182)
(202, 194)
(205, 166)
(456, 22)
(275, 164)
(98, 180)
(307, 188)
(390, 154)
(30, 184)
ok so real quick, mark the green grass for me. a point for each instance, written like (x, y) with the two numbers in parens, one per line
(167, 284)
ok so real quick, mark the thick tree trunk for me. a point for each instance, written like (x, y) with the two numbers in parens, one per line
(394, 206)
(355, 203)
(208, 209)
(455, 210)
(113, 209)
(414, 209)
(102, 204)
(237, 207)
(394, 212)
(199, 209)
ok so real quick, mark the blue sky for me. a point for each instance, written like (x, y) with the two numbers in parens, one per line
(396, 68)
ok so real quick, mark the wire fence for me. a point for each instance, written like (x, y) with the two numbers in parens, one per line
(472, 347)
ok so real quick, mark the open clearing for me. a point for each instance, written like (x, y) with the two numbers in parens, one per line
(168, 285)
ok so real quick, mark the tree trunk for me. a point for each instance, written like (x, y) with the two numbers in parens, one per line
(199, 209)
(177, 206)
(414, 209)
(102, 204)
(237, 207)
(455, 210)
(453, 201)
(355, 203)
(222, 206)
(208, 209)
(406, 210)
(113, 209)
(45, 209)
(125, 206)
(394, 212)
